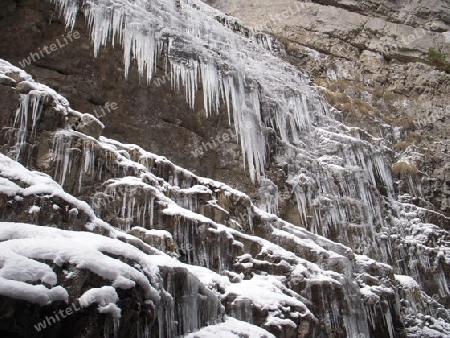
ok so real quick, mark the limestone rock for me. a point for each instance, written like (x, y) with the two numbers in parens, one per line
(90, 126)
(7, 81)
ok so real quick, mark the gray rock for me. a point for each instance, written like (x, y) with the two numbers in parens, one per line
(90, 126)
(7, 81)
(25, 87)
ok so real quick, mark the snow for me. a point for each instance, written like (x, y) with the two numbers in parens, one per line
(208, 277)
(123, 283)
(369, 295)
(407, 282)
(7, 68)
(163, 234)
(111, 309)
(102, 296)
(25, 243)
(196, 189)
(40, 183)
(34, 209)
(279, 322)
(113, 146)
(36, 294)
(4, 77)
(174, 209)
(8, 188)
(18, 267)
(265, 292)
(231, 328)
(105, 297)
(12, 170)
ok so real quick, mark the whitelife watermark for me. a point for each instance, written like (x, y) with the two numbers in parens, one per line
(218, 140)
(406, 40)
(279, 18)
(46, 50)
(62, 314)
(292, 10)
(159, 81)
(108, 107)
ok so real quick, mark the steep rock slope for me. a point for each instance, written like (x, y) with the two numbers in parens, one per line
(205, 223)
(381, 65)
(254, 252)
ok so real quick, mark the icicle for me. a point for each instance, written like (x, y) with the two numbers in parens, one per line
(61, 153)
(190, 45)
(388, 320)
(152, 201)
(384, 173)
(21, 120)
(186, 75)
(250, 218)
(211, 86)
(269, 196)
(70, 9)
(116, 327)
(124, 205)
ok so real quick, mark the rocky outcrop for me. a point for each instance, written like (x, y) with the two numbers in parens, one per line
(373, 60)
(196, 221)
(97, 86)
(354, 232)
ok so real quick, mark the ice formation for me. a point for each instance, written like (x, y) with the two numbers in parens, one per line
(181, 210)
(197, 45)
(201, 46)
(340, 179)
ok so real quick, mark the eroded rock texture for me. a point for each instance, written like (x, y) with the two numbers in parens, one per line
(373, 60)
(342, 229)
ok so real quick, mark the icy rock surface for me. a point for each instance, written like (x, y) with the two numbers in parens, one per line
(196, 251)
(233, 63)
(340, 177)
(225, 254)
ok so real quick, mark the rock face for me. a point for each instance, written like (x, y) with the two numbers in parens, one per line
(373, 60)
(157, 118)
(343, 226)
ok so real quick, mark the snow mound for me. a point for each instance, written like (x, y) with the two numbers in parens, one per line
(24, 246)
(231, 328)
